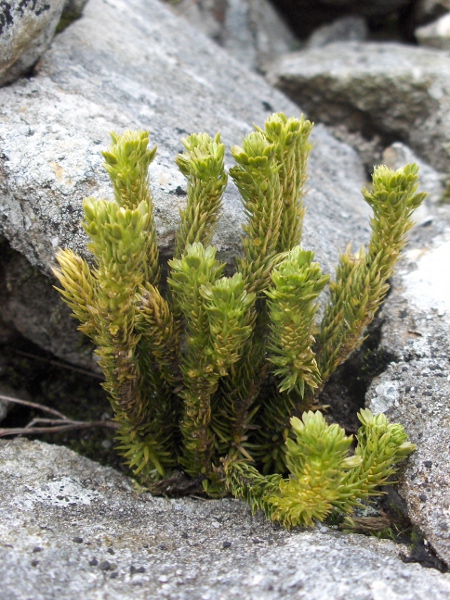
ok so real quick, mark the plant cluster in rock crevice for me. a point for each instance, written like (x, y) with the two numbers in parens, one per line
(210, 377)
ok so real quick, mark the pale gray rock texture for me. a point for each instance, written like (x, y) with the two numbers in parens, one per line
(400, 92)
(427, 10)
(70, 528)
(133, 64)
(435, 34)
(250, 30)
(415, 388)
(26, 31)
(345, 29)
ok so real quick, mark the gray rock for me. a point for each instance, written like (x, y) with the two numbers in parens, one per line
(250, 30)
(415, 388)
(31, 307)
(71, 528)
(207, 16)
(391, 89)
(435, 34)
(26, 31)
(135, 65)
(345, 29)
(370, 149)
(427, 10)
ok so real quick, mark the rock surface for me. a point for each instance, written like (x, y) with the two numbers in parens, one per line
(345, 29)
(26, 31)
(427, 10)
(31, 307)
(398, 91)
(250, 30)
(70, 528)
(102, 74)
(415, 388)
(132, 65)
(435, 34)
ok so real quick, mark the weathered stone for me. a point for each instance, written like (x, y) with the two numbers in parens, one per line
(435, 34)
(71, 528)
(399, 91)
(26, 31)
(345, 29)
(31, 307)
(370, 150)
(135, 65)
(415, 388)
(427, 10)
(250, 30)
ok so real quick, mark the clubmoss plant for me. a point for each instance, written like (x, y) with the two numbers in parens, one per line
(212, 377)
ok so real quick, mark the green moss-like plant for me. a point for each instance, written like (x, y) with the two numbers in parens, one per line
(323, 474)
(209, 377)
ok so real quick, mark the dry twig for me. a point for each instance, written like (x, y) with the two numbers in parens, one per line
(59, 425)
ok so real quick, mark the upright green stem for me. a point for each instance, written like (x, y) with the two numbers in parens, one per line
(361, 279)
(203, 166)
(196, 268)
(290, 136)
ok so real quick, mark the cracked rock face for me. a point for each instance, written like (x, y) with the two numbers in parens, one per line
(397, 91)
(252, 32)
(415, 388)
(72, 528)
(435, 34)
(427, 10)
(26, 31)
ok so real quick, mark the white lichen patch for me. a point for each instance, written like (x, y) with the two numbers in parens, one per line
(427, 287)
(387, 396)
(63, 491)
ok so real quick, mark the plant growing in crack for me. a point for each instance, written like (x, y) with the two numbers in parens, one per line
(220, 377)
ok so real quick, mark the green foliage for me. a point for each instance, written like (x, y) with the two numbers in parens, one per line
(208, 376)
(202, 165)
(324, 476)
(297, 282)
(360, 285)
